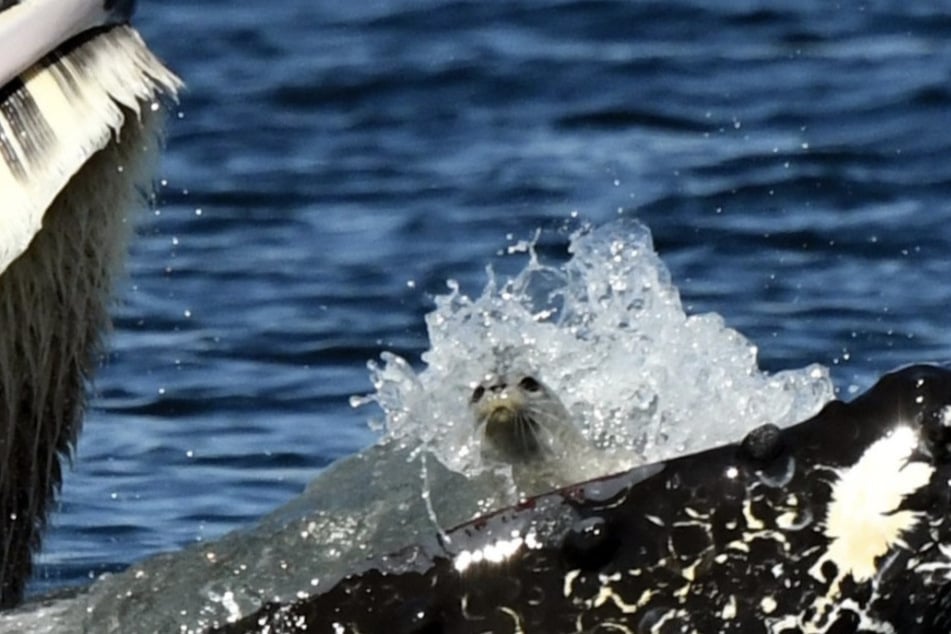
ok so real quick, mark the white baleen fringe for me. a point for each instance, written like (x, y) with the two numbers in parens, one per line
(61, 111)
(79, 133)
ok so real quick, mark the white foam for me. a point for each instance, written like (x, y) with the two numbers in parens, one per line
(608, 332)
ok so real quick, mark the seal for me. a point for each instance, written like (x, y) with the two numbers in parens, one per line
(522, 422)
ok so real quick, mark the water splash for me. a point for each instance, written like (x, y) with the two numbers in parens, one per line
(607, 331)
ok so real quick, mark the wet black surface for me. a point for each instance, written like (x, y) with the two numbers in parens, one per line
(702, 544)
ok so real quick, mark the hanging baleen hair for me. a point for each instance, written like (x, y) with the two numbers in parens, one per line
(80, 118)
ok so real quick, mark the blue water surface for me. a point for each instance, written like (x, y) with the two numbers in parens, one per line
(332, 164)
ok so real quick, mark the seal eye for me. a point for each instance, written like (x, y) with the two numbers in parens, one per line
(529, 384)
(477, 393)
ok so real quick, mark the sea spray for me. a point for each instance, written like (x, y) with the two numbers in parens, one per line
(606, 329)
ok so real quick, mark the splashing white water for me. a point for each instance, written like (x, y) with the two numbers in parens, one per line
(607, 331)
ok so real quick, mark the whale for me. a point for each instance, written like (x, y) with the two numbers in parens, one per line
(837, 524)
(81, 109)
(30, 29)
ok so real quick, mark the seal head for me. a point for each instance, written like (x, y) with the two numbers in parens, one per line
(522, 422)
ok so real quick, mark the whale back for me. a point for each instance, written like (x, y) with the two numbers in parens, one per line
(837, 524)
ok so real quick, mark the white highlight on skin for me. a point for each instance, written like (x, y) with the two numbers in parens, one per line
(729, 610)
(752, 522)
(570, 577)
(516, 620)
(938, 567)
(495, 552)
(830, 611)
(862, 521)
(606, 593)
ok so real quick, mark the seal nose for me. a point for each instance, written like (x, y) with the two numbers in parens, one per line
(493, 390)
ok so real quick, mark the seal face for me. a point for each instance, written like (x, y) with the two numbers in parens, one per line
(522, 422)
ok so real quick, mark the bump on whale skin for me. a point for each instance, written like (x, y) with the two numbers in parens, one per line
(79, 132)
(742, 538)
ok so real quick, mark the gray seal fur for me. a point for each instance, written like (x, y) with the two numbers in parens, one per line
(521, 422)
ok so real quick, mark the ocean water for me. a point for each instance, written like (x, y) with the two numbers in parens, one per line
(332, 165)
